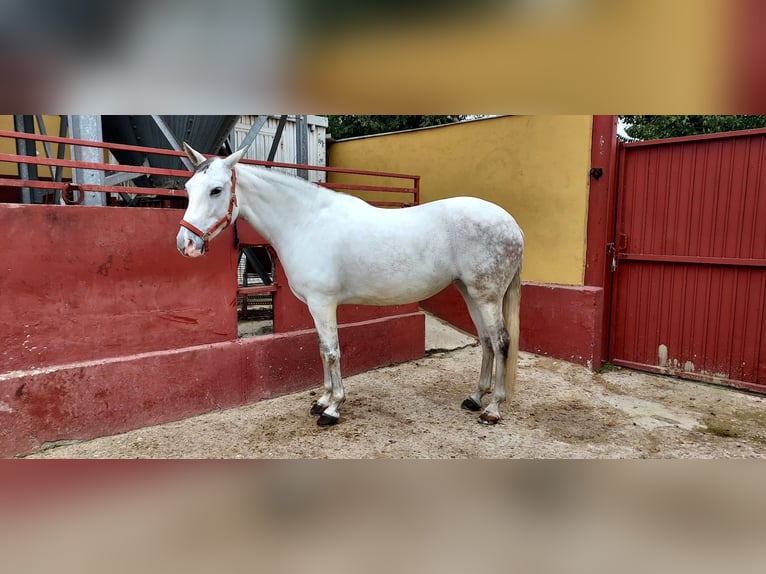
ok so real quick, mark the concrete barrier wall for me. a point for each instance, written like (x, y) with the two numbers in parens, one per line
(104, 327)
(84, 283)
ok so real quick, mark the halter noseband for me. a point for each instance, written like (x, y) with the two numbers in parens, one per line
(222, 223)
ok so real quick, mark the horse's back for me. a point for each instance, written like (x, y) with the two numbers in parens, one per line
(474, 224)
(442, 227)
(417, 251)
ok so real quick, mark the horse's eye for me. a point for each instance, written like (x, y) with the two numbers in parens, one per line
(216, 191)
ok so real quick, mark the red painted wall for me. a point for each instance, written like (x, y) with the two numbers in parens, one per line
(105, 327)
(94, 398)
(556, 320)
(86, 283)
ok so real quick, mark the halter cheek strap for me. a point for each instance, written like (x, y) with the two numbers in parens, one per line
(222, 223)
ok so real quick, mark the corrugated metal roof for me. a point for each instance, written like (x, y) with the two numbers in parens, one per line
(204, 133)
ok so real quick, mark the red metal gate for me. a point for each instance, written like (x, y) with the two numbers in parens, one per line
(689, 294)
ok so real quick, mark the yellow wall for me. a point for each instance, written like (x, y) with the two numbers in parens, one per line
(536, 167)
(9, 146)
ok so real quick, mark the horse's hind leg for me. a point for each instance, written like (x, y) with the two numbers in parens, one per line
(500, 343)
(489, 307)
(324, 315)
(505, 342)
(473, 402)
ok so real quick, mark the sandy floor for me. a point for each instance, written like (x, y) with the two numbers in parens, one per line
(412, 410)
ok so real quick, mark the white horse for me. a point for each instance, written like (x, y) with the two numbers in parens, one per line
(338, 249)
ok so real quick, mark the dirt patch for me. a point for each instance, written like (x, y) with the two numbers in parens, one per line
(575, 421)
(412, 410)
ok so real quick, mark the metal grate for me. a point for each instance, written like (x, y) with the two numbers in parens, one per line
(254, 307)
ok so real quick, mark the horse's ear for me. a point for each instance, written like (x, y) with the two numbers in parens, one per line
(194, 156)
(234, 158)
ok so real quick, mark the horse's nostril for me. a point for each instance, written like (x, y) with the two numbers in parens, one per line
(189, 247)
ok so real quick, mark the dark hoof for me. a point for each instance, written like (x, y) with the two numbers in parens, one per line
(488, 419)
(470, 405)
(326, 420)
(317, 409)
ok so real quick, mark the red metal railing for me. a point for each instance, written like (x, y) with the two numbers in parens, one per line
(67, 189)
(412, 190)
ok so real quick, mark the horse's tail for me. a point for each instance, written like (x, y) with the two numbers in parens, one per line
(511, 305)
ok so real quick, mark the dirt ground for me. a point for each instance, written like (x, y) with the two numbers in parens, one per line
(412, 410)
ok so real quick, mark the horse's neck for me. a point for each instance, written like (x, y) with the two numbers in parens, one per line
(274, 205)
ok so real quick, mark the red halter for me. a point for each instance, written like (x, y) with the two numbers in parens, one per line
(222, 223)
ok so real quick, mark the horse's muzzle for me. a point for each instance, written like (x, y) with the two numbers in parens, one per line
(189, 244)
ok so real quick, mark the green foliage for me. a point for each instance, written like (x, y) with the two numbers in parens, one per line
(607, 367)
(352, 126)
(660, 127)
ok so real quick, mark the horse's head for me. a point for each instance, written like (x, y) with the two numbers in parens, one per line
(212, 201)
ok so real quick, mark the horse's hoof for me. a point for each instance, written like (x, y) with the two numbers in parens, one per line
(326, 420)
(488, 418)
(317, 409)
(470, 405)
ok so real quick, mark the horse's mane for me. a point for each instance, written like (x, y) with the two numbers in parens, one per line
(279, 178)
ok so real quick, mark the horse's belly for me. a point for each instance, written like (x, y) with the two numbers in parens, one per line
(394, 290)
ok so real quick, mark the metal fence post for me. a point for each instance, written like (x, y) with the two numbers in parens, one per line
(22, 147)
(302, 145)
(88, 128)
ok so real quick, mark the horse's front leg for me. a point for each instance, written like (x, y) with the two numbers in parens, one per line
(324, 315)
(321, 403)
